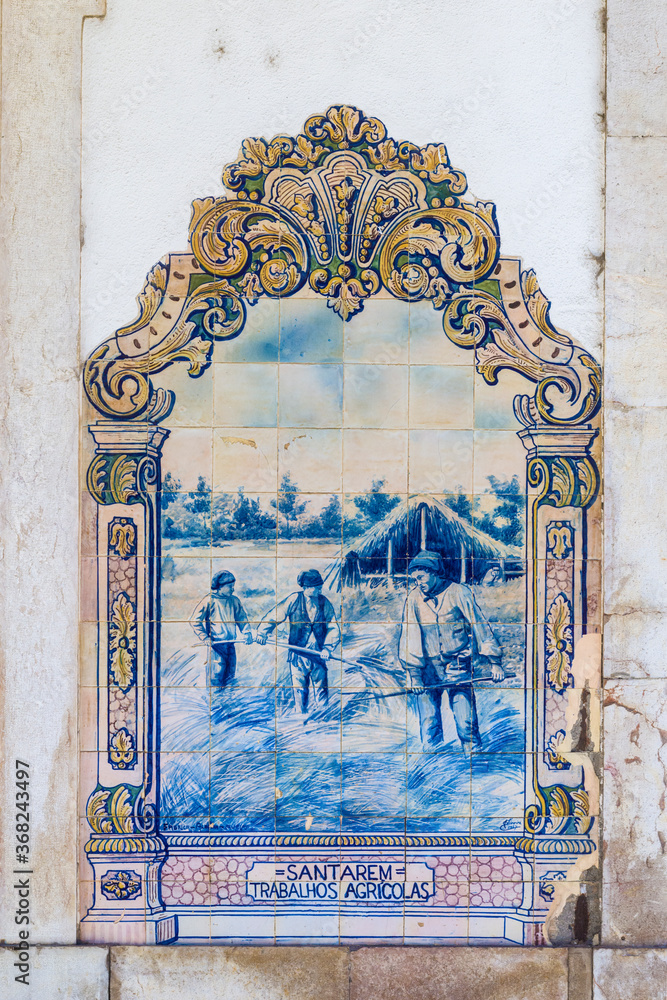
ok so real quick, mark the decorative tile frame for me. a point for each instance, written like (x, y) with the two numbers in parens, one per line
(345, 212)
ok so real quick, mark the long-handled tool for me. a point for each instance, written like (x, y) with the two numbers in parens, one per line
(303, 650)
(393, 694)
(469, 681)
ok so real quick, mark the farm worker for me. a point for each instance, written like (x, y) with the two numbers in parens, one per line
(216, 620)
(312, 625)
(443, 631)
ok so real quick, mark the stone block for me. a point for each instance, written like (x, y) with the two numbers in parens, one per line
(634, 645)
(580, 974)
(635, 364)
(229, 973)
(629, 974)
(56, 973)
(453, 973)
(636, 206)
(636, 82)
(635, 824)
(635, 477)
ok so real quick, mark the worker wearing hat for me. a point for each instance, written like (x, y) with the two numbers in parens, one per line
(216, 619)
(312, 626)
(443, 632)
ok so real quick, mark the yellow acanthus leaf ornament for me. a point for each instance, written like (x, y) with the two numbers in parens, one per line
(559, 540)
(122, 538)
(559, 643)
(110, 813)
(122, 641)
(121, 748)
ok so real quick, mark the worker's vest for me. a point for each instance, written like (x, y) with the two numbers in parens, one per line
(300, 626)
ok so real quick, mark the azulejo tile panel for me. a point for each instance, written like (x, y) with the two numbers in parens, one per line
(341, 582)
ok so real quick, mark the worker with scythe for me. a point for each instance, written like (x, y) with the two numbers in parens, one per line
(313, 636)
(443, 632)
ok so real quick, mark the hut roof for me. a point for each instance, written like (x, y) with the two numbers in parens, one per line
(446, 533)
(445, 530)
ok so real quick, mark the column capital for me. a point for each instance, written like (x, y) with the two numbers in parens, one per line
(558, 442)
(115, 437)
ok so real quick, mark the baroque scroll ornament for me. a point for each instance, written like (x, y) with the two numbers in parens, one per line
(342, 210)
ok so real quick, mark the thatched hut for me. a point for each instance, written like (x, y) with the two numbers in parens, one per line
(422, 522)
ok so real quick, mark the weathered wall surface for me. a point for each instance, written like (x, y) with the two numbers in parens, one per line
(40, 188)
(635, 697)
(206, 76)
(39, 175)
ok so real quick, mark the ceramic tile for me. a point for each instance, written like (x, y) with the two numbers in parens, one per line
(186, 718)
(188, 456)
(89, 569)
(319, 731)
(186, 522)
(376, 396)
(245, 457)
(497, 786)
(246, 395)
(449, 773)
(230, 773)
(337, 647)
(243, 718)
(254, 584)
(440, 461)
(494, 404)
(380, 334)
(429, 345)
(441, 396)
(313, 459)
(244, 524)
(186, 775)
(260, 339)
(311, 395)
(88, 655)
(497, 453)
(183, 658)
(89, 528)
(382, 710)
(193, 395)
(310, 791)
(308, 333)
(452, 825)
(182, 577)
(309, 928)
(372, 455)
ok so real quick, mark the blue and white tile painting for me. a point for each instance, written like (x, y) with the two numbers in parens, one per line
(326, 462)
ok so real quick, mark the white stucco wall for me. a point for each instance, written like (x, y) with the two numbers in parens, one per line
(514, 90)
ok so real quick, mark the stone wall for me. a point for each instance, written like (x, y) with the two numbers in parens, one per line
(40, 181)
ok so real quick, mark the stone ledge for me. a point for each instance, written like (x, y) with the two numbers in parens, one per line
(86, 972)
